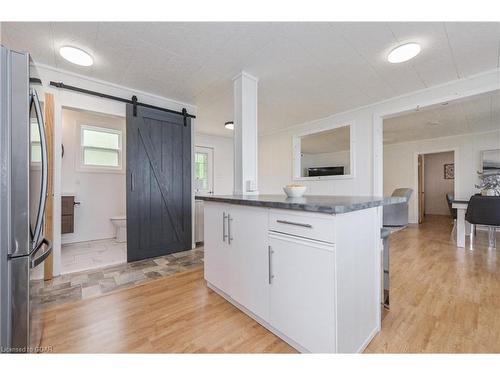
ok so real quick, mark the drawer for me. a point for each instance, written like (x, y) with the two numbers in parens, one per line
(304, 224)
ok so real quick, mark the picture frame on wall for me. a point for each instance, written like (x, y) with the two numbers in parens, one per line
(490, 162)
(449, 171)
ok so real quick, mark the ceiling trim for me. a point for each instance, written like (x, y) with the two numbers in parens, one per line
(246, 75)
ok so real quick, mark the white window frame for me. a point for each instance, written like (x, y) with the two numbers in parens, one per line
(210, 169)
(98, 168)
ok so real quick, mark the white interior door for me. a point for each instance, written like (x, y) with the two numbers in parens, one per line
(204, 170)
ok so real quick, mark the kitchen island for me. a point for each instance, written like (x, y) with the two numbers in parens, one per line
(308, 269)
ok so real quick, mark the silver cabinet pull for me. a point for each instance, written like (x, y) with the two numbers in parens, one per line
(224, 235)
(270, 269)
(35, 261)
(294, 223)
(229, 235)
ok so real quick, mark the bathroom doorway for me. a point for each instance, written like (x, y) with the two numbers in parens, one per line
(93, 200)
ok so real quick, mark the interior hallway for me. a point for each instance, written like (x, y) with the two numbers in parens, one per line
(443, 299)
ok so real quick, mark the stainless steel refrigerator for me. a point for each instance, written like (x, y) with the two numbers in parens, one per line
(23, 192)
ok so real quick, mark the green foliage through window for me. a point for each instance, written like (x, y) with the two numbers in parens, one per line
(201, 170)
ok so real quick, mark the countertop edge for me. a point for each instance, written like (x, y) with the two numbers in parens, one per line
(332, 209)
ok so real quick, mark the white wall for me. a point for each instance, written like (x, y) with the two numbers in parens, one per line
(276, 157)
(326, 159)
(275, 148)
(400, 166)
(223, 161)
(435, 185)
(101, 194)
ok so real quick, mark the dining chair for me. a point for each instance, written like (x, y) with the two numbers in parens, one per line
(396, 215)
(483, 210)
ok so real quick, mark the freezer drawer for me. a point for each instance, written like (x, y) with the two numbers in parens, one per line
(24, 301)
(18, 312)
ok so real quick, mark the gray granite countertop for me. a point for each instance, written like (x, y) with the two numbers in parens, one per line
(328, 204)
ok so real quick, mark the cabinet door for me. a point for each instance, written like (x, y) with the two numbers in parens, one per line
(249, 280)
(215, 245)
(302, 292)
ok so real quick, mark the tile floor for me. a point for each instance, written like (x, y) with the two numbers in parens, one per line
(96, 282)
(82, 256)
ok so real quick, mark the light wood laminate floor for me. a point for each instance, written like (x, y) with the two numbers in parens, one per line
(174, 314)
(443, 299)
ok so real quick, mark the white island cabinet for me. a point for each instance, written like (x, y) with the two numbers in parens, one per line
(237, 262)
(313, 279)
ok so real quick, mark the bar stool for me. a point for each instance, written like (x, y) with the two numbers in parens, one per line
(484, 210)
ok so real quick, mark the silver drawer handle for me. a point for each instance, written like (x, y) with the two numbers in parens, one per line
(224, 235)
(293, 223)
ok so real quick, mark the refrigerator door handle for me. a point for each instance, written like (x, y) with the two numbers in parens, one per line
(34, 101)
(35, 259)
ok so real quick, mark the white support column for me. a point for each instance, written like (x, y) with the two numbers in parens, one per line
(245, 134)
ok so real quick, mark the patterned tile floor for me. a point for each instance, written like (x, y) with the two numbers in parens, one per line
(81, 285)
(83, 256)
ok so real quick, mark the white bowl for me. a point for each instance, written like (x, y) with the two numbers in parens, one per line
(295, 191)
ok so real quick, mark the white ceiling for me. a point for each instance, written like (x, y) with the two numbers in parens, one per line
(480, 113)
(306, 70)
(325, 142)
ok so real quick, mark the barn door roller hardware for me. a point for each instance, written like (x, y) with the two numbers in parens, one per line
(132, 101)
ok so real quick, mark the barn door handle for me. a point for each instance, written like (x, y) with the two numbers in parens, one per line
(132, 184)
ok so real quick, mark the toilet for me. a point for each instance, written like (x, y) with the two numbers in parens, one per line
(120, 224)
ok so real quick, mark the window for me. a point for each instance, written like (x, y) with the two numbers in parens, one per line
(36, 148)
(101, 147)
(203, 170)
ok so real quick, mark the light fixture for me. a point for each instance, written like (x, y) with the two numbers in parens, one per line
(76, 56)
(404, 53)
(229, 125)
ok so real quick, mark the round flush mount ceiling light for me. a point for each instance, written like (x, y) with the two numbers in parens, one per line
(404, 53)
(76, 56)
(229, 125)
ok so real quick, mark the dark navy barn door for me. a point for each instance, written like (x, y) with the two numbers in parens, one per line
(158, 183)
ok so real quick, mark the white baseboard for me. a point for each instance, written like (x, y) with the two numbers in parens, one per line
(273, 330)
(368, 340)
